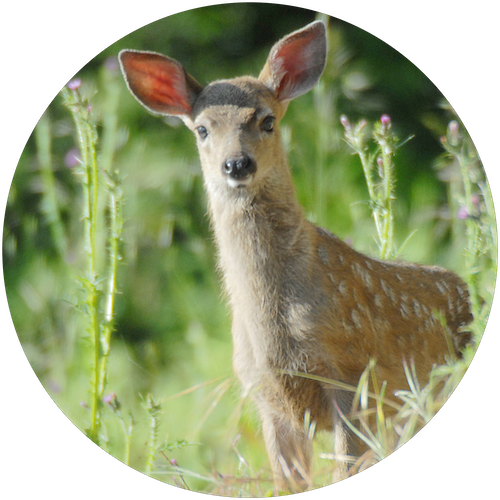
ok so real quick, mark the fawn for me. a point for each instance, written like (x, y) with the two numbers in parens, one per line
(302, 300)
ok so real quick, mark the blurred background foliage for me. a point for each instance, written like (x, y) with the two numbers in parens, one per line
(172, 327)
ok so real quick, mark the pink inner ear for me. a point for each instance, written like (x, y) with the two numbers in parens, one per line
(293, 58)
(292, 62)
(298, 61)
(159, 83)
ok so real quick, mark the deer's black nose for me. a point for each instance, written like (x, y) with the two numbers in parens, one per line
(239, 167)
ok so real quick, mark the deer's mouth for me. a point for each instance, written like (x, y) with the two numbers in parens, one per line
(239, 183)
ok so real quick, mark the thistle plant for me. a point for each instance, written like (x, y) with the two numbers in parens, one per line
(154, 410)
(100, 318)
(87, 141)
(380, 186)
(115, 406)
(475, 208)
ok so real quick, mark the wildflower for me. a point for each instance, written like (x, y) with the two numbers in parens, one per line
(72, 158)
(475, 200)
(462, 213)
(74, 84)
(453, 132)
(362, 124)
(173, 461)
(385, 119)
(109, 398)
(112, 401)
(344, 121)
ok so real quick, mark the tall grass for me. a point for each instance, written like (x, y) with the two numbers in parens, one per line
(128, 231)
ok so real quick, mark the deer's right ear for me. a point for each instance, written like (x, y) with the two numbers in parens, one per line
(158, 82)
(296, 62)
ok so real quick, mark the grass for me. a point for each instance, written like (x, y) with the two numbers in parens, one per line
(121, 315)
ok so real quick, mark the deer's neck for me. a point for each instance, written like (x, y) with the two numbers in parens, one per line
(263, 244)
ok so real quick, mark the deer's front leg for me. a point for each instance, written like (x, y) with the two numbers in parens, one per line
(346, 445)
(289, 450)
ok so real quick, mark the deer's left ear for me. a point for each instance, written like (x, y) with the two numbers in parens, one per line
(159, 83)
(296, 62)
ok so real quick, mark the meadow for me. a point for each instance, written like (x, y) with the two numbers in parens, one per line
(110, 266)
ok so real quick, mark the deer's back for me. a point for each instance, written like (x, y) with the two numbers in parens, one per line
(388, 311)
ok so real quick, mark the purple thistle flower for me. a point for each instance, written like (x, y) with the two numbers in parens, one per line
(112, 401)
(344, 121)
(109, 398)
(453, 129)
(74, 84)
(475, 199)
(385, 119)
(462, 213)
(72, 158)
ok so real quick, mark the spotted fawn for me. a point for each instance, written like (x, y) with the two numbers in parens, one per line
(302, 300)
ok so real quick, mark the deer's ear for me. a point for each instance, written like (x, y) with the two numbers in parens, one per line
(158, 82)
(296, 62)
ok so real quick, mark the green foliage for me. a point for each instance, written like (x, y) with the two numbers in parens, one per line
(110, 266)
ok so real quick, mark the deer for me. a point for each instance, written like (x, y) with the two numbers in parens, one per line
(302, 300)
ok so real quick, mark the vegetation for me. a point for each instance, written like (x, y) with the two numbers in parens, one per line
(110, 266)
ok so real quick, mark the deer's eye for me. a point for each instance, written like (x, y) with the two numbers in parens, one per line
(202, 132)
(268, 124)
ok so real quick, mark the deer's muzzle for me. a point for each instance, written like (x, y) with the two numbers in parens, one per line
(239, 170)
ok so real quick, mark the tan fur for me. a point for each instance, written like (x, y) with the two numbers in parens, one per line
(301, 299)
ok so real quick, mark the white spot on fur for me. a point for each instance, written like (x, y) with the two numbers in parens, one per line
(388, 291)
(416, 308)
(323, 255)
(405, 312)
(347, 328)
(450, 304)
(445, 285)
(356, 319)
(343, 289)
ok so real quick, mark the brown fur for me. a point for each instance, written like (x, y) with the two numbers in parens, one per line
(302, 300)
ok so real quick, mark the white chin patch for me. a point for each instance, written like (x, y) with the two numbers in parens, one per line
(239, 183)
